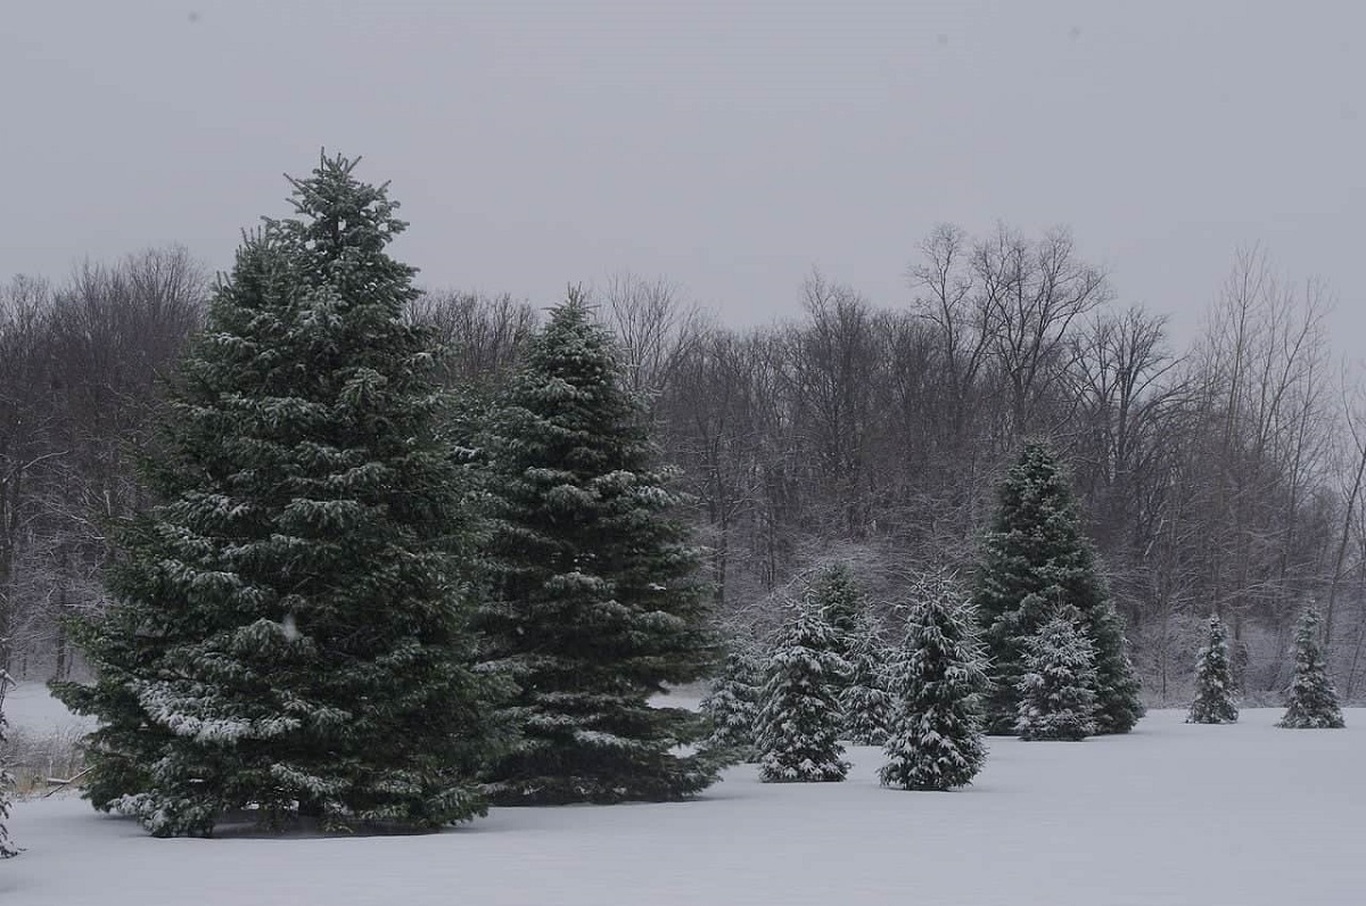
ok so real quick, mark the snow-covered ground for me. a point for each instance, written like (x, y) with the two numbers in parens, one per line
(1171, 814)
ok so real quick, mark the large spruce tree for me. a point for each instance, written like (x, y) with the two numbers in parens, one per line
(1034, 561)
(1213, 703)
(1313, 702)
(935, 739)
(289, 626)
(595, 602)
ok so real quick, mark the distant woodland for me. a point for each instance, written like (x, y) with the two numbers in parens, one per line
(1223, 477)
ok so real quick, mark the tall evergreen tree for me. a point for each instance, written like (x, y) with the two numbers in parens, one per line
(1312, 702)
(935, 740)
(733, 702)
(7, 847)
(866, 701)
(596, 604)
(289, 627)
(1213, 685)
(799, 711)
(1034, 560)
(1057, 688)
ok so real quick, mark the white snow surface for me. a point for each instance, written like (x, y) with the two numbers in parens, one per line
(1170, 814)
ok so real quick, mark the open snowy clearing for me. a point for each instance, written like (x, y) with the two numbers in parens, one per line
(1171, 814)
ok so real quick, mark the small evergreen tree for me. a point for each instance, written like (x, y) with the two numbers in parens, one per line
(799, 713)
(835, 592)
(289, 629)
(1056, 691)
(866, 701)
(733, 702)
(1313, 702)
(1213, 686)
(595, 601)
(7, 847)
(935, 741)
(1033, 559)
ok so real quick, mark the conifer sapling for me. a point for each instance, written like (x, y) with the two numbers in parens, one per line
(866, 701)
(1313, 702)
(1213, 702)
(733, 702)
(935, 740)
(799, 712)
(1056, 691)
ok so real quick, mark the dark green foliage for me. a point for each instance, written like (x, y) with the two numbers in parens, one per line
(799, 712)
(866, 701)
(595, 601)
(1056, 690)
(1213, 684)
(1035, 560)
(1119, 701)
(289, 626)
(835, 593)
(733, 703)
(1312, 702)
(935, 740)
(835, 590)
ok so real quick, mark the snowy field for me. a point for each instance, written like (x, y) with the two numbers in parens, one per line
(1171, 814)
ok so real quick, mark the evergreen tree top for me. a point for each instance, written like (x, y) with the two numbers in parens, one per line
(1036, 494)
(344, 223)
(573, 337)
(568, 402)
(1036, 545)
(836, 592)
(810, 631)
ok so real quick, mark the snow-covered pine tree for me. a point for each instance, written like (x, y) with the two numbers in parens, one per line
(866, 701)
(733, 702)
(7, 847)
(289, 626)
(799, 711)
(935, 739)
(1033, 559)
(835, 592)
(596, 603)
(1312, 702)
(1213, 702)
(1057, 689)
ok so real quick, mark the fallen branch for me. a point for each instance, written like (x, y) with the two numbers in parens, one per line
(57, 783)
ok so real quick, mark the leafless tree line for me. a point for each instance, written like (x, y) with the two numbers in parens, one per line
(1228, 476)
(79, 367)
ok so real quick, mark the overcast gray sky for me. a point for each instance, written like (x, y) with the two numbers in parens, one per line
(729, 145)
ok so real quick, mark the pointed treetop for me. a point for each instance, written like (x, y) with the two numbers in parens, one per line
(339, 217)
